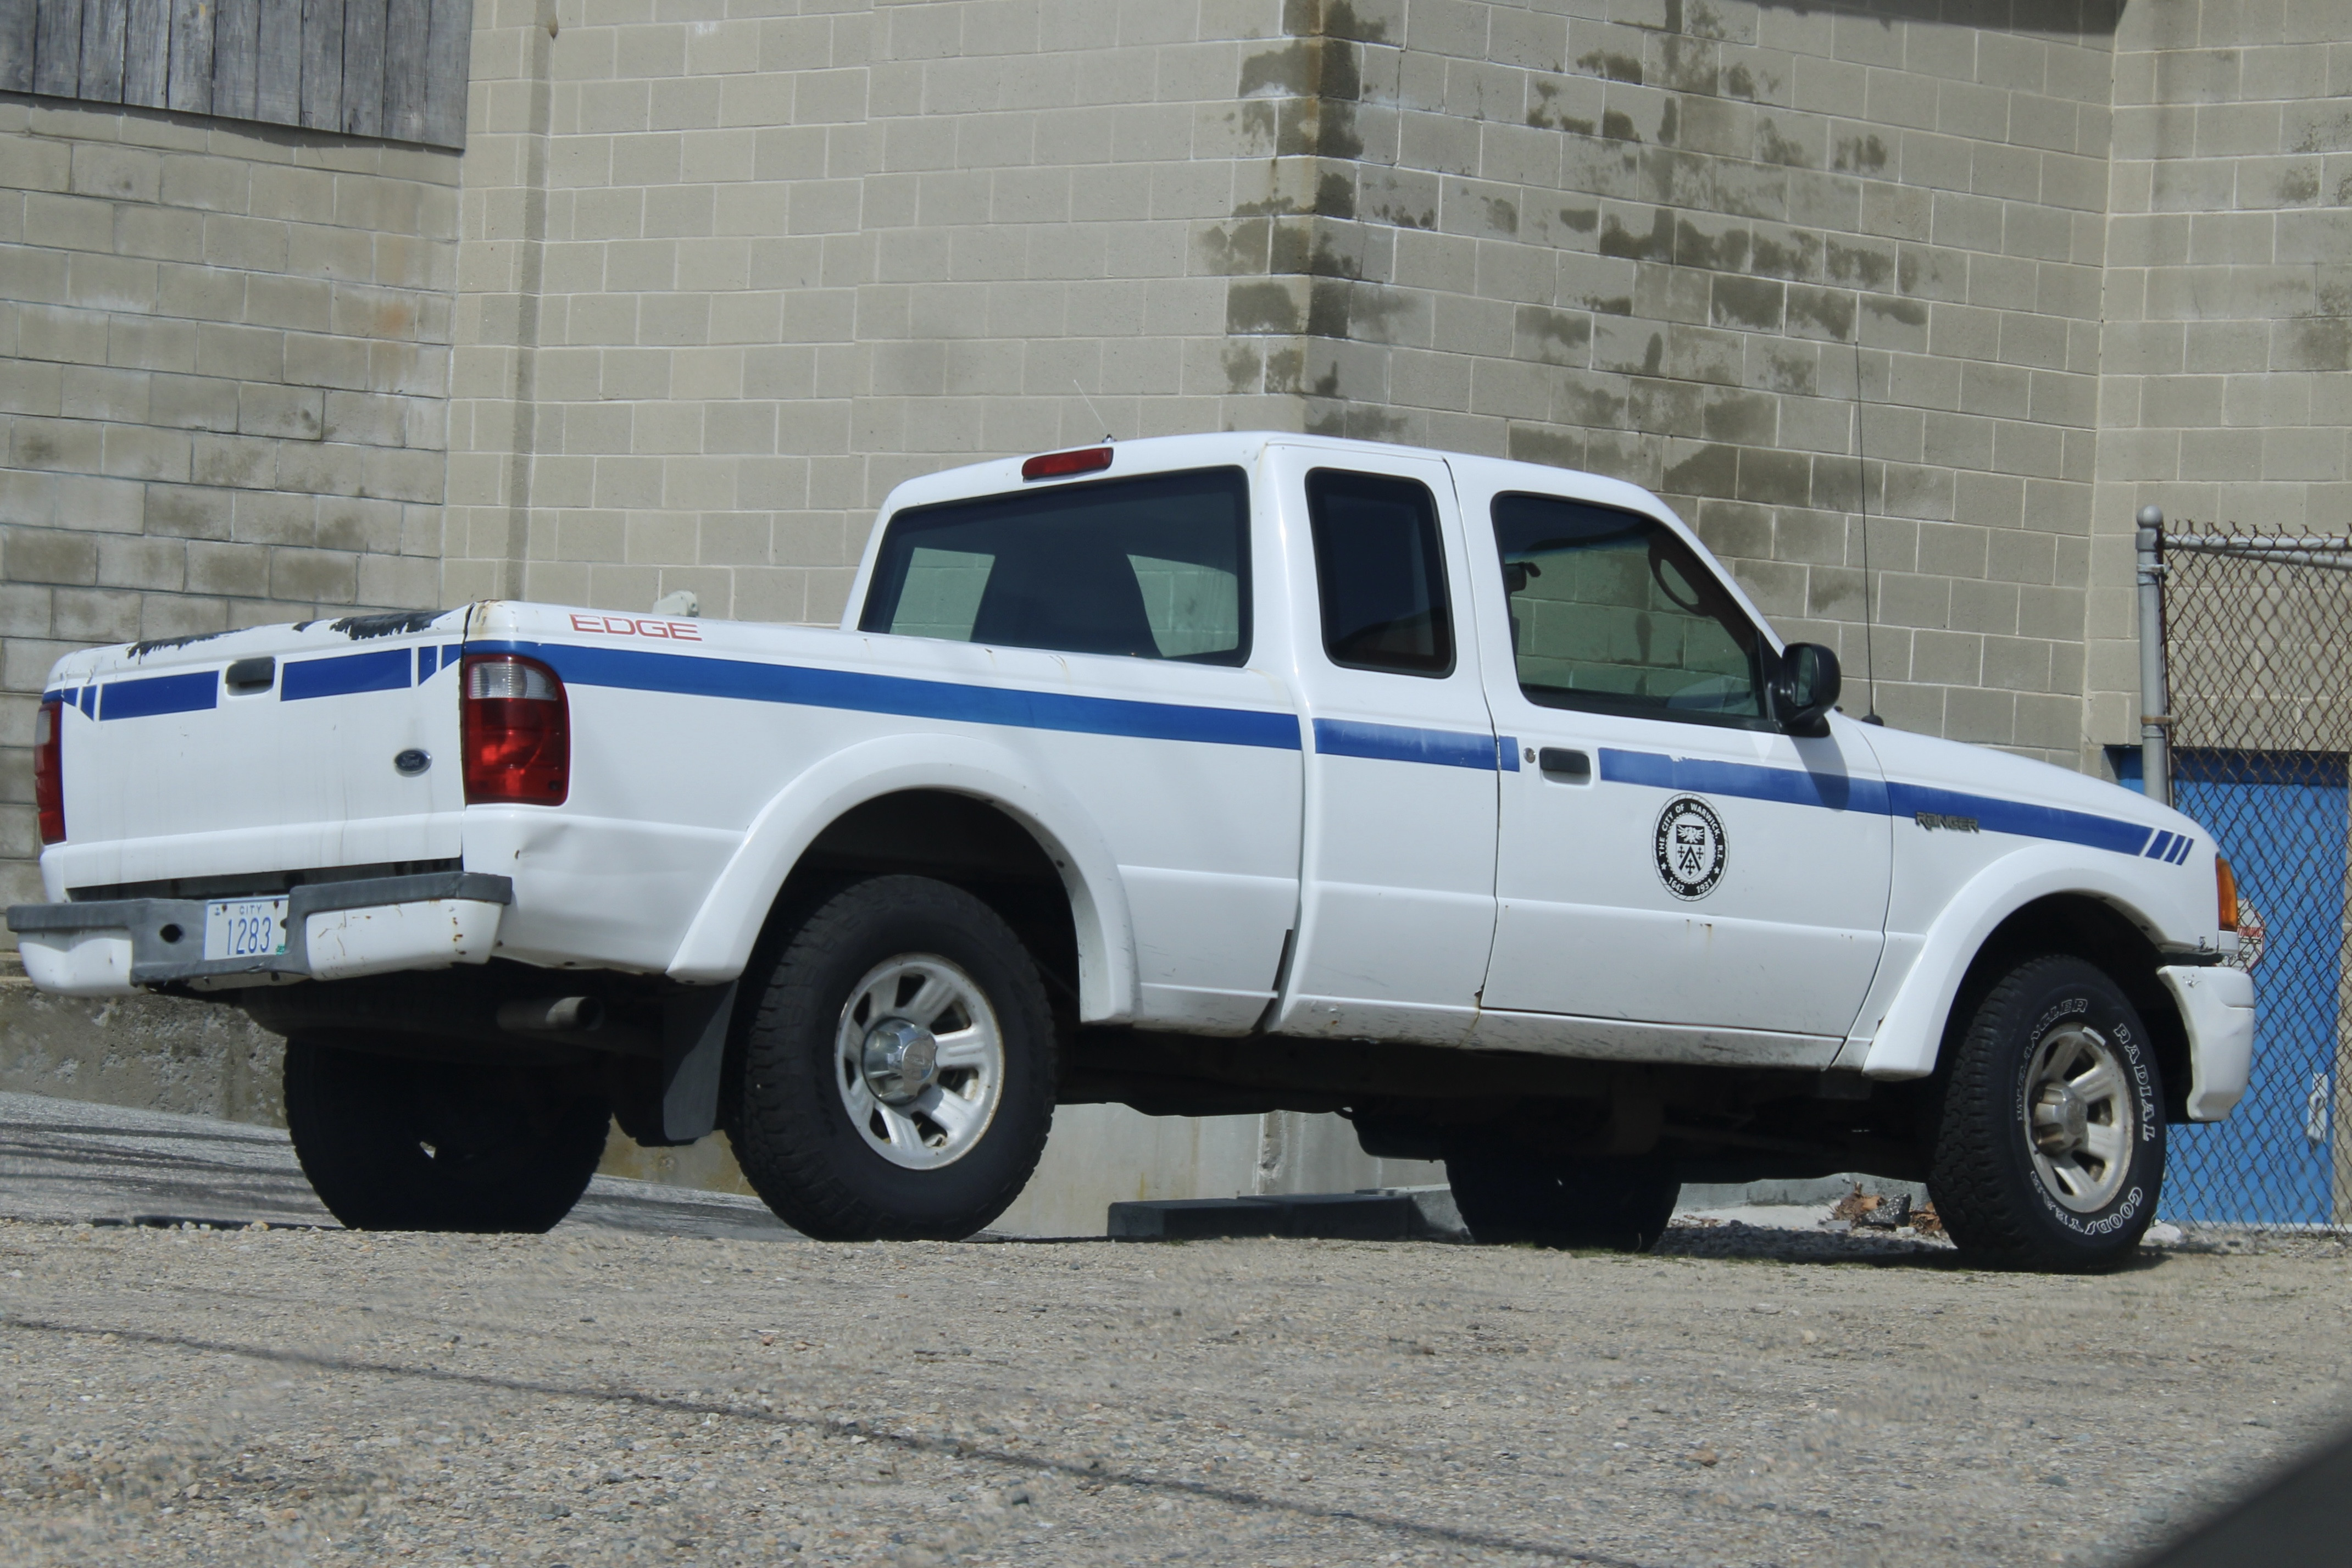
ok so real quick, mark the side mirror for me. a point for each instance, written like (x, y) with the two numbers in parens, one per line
(1806, 688)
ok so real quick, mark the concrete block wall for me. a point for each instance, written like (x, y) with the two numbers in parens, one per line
(223, 368)
(760, 266)
(2223, 393)
(726, 277)
(1781, 264)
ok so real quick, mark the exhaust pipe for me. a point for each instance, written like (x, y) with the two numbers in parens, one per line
(552, 1015)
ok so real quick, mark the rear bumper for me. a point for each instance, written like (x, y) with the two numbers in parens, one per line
(2217, 1006)
(334, 931)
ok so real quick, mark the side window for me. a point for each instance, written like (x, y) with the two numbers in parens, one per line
(1381, 572)
(1155, 567)
(1610, 610)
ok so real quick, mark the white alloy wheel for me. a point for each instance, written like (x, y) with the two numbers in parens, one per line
(919, 1060)
(2081, 1117)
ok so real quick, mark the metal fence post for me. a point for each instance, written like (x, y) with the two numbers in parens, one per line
(2155, 704)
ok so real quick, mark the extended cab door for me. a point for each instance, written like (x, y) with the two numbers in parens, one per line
(1674, 869)
(1104, 629)
(1396, 908)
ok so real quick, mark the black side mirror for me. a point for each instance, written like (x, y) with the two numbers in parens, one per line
(1806, 688)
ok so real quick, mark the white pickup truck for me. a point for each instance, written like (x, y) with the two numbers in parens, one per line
(1470, 799)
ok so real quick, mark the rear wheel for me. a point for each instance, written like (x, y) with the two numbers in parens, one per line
(1506, 1195)
(899, 1074)
(395, 1144)
(2050, 1149)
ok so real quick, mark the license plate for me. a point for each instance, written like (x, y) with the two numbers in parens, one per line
(245, 928)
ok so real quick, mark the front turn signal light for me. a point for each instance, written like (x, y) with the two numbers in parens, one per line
(2225, 888)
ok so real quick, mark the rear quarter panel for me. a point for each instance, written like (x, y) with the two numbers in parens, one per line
(689, 737)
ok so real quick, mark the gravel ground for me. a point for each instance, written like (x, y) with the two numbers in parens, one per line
(63, 1158)
(596, 1396)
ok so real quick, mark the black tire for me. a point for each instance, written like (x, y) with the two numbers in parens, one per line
(1506, 1196)
(393, 1144)
(795, 1135)
(2004, 1104)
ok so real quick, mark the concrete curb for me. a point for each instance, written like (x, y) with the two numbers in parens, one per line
(1393, 1214)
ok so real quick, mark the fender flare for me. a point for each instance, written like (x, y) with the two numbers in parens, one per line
(1910, 1032)
(718, 943)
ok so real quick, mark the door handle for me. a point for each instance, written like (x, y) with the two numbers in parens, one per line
(1566, 765)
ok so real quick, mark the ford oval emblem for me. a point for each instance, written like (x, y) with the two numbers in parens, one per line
(413, 761)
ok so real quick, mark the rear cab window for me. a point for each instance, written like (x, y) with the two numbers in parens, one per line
(1156, 566)
(1379, 574)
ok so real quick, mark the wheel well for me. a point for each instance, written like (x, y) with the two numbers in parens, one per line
(960, 839)
(2099, 933)
(956, 839)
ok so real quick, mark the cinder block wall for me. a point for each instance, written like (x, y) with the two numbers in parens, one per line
(223, 381)
(1827, 278)
(1782, 264)
(2228, 295)
(783, 262)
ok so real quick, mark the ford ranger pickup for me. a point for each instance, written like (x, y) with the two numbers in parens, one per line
(1469, 799)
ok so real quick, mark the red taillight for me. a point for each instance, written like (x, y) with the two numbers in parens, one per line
(518, 733)
(50, 771)
(1054, 465)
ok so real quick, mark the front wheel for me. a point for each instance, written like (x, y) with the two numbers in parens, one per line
(2049, 1152)
(1506, 1195)
(394, 1144)
(898, 1074)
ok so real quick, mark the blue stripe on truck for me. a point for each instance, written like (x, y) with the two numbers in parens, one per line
(858, 691)
(1837, 792)
(2020, 818)
(1398, 744)
(386, 669)
(1745, 781)
(159, 694)
(802, 686)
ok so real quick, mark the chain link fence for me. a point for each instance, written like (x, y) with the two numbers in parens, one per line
(2257, 628)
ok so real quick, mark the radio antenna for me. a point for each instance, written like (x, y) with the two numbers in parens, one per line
(1108, 436)
(1862, 500)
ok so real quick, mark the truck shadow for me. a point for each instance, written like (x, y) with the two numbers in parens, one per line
(1733, 1241)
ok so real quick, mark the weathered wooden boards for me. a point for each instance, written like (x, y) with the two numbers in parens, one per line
(394, 68)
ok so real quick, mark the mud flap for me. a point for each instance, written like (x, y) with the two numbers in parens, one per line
(694, 1053)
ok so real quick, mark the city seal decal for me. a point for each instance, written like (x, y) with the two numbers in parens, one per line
(1691, 850)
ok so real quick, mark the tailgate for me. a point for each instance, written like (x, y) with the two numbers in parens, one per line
(325, 745)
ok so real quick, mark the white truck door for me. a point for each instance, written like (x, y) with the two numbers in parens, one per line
(1669, 857)
(1397, 909)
